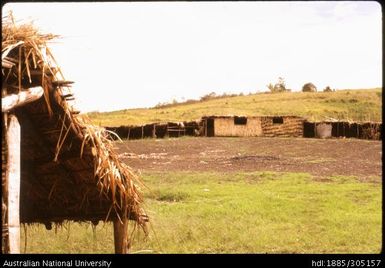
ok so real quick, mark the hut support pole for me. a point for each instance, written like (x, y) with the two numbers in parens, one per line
(120, 236)
(13, 181)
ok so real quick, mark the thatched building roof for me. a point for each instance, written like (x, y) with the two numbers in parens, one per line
(69, 170)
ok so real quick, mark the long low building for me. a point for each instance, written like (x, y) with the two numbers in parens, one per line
(252, 126)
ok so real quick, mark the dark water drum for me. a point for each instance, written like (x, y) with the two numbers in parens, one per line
(323, 130)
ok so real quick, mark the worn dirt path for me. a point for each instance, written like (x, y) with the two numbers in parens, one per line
(321, 158)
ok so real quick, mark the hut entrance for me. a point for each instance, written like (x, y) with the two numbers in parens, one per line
(210, 127)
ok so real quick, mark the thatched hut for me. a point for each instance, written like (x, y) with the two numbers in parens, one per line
(56, 166)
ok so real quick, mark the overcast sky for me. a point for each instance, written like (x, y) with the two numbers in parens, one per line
(126, 55)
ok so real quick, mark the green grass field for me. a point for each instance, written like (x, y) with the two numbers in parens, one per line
(356, 105)
(257, 212)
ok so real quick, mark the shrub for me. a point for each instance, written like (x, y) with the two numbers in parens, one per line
(309, 87)
(328, 89)
(212, 95)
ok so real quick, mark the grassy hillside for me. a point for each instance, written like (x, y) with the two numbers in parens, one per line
(357, 105)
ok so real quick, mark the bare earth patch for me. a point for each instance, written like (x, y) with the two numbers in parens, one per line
(321, 158)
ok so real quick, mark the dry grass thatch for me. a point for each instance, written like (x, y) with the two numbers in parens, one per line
(57, 141)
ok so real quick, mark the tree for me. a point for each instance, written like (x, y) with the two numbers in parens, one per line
(309, 87)
(280, 86)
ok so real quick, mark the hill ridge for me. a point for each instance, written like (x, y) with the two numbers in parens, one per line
(353, 105)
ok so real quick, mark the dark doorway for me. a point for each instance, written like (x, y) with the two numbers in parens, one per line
(308, 130)
(210, 127)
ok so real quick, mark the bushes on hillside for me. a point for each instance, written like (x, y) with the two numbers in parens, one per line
(210, 96)
(328, 89)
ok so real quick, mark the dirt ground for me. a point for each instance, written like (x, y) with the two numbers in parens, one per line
(321, 158)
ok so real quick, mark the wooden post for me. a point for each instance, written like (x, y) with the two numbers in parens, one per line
(120, 236)
(13, 181)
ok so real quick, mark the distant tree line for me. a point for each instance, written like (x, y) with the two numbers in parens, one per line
(279, 86)
(209, 96)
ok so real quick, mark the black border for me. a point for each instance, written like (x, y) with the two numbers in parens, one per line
(241, 260)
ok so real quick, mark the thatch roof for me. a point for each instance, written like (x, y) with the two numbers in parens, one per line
(69, 170)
